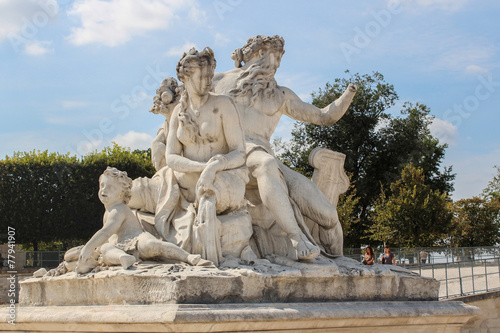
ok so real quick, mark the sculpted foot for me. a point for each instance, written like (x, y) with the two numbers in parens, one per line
(305, 249)
(204, 262)
(127, 260)
(195, 260)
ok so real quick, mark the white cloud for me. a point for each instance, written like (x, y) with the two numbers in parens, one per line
(178, 51)
(284, 128)
(476, 70)
(305, 97)
(463, 55)
(303, 84)
(382, 123)
(23, 19)
(134, 140)
(26, 140)
(221, 40)
(85, 147)
(197, 15)
(442, 50)
(445, 131)
(473, 170)
(73, 104)
(115, 22)
(36, 48)
(446, 5)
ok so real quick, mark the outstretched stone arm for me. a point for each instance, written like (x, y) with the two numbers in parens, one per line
(111, 227)
(295, 108)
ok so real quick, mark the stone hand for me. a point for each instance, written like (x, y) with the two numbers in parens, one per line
(206, 181)
(85, 264)
(352, 87)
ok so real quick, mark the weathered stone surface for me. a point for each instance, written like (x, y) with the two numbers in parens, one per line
(285, 280)
(489, 319)
(391, 317)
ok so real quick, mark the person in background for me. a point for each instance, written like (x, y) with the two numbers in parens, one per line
(369, 256)
(388, 257)
(423, 256)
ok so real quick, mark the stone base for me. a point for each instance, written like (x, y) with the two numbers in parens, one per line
(324, 279)
(384, 317)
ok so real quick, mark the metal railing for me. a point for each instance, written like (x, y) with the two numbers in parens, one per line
(461, 271)
(437, 255)
(463, 278)
(34, 259)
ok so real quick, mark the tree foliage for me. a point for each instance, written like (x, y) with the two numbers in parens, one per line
(492, 191)
(346, 208)
(413, 214)
(377, 144)
(475, 223)
(50, 197)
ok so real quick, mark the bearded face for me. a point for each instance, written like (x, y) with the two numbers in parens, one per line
(258, 81)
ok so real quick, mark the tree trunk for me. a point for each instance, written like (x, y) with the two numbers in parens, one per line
(36, 261)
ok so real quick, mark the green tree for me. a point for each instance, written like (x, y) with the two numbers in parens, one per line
(413, 214)
(492, 191)
(475, 223)
(346, 208)
(50, 197)
(32, 198)
(377, 145)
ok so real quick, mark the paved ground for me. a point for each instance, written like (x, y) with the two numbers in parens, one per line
(477, 278)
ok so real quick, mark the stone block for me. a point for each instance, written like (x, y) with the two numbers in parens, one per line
(285, 280)
(399, 317)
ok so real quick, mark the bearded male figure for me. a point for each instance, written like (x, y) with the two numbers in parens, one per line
(262, 102)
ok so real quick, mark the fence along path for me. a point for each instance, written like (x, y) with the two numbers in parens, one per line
(461, 271)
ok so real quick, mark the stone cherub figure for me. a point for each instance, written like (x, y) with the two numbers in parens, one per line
(128, 242)
(262, 102)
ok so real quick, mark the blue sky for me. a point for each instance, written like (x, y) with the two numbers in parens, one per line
(77, 75)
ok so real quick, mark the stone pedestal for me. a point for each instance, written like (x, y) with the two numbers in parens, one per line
(384, 317)
(285, 280)
(325, 295)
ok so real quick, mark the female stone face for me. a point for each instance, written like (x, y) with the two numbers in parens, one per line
(199, 80)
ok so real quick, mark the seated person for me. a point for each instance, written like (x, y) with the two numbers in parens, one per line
(369, 256)
(131, 242)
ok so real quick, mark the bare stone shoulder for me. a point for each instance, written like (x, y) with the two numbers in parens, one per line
(224, 102)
